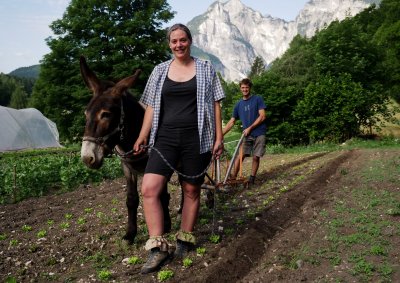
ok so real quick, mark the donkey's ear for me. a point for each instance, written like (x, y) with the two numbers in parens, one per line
(91, 80)
(128, 82)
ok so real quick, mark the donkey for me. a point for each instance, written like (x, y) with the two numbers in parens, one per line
(113, 122)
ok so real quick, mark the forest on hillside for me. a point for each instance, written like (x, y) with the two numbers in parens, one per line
(339, 84)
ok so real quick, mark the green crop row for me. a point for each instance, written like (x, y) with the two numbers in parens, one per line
(31, 176)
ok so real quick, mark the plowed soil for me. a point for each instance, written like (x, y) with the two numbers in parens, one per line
(71, 237)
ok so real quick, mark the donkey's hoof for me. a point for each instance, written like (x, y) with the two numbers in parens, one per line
(130, 238)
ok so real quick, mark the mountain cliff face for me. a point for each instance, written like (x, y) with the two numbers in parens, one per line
(231, 34)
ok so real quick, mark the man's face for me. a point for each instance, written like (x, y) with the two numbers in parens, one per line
(245, 89)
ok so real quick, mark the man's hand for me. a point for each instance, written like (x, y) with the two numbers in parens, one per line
(247, 132)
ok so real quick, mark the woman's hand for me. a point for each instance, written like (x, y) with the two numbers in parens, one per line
(139, 146)
(218, 149)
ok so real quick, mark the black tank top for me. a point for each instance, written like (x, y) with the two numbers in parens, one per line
(179, 104)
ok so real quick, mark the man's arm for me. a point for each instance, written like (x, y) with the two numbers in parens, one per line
(228, 126)
(261, 118)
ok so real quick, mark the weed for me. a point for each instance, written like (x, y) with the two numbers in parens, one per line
(229, 231)
(104, 275)
(10, 279)
(3, 237)
(361, 265)
(385, 270)
(100, 260)
(34, 248)
(324, 213)
(239, 221)
(187, 262)
(335, 260)
(268, 200)
(164, 275)
(50, 222)
(378, 250)
(203, 221)
(51, 261)
(13, 242)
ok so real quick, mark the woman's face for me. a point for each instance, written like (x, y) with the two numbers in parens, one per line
(179, 44)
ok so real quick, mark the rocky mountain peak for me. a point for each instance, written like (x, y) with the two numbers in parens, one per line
(231, 34)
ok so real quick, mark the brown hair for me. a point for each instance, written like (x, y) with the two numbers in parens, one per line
(246, 81)
(181, 27)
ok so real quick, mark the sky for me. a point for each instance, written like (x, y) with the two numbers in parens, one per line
(24, 24)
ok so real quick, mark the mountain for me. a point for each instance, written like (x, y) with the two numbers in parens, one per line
(232, 34)
(31, 72)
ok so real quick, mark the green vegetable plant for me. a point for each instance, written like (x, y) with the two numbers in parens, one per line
(26, 228)
(41, 234)
(134, 260)
(187, 262)
(164, 275)
(215, 238)
(104, 275)
(200, 251)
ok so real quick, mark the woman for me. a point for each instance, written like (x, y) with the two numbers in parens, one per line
(183, 118)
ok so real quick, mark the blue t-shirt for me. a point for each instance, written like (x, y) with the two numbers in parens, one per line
(247, 112)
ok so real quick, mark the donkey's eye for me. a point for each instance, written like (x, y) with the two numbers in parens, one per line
(105, 115)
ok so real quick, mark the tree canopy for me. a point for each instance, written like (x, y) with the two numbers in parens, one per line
(337, 83)
(115, 36)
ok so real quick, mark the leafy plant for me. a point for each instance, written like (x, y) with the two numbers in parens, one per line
(64, 225)
(26, 228)
(200, 251)
(164, 275)
(215, 238)
(81, 221)
(41, 234)
(134, 260)
(187, 262)
(104, 275)
(68, 216)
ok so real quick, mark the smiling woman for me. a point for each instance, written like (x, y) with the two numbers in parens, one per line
(183, 119)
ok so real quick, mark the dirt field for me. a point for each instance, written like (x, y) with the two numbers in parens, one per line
(315, 217)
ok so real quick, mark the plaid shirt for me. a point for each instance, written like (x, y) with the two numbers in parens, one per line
(209, 89)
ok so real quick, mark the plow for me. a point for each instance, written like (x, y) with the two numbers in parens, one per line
(220, 180)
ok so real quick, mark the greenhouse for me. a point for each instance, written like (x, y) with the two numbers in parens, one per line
(26, 129)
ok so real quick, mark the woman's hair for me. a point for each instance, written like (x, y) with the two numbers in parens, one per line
(181, 27)
(246, 81)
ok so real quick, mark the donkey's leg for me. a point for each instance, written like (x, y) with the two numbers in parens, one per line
(165, 197)
(132, 203)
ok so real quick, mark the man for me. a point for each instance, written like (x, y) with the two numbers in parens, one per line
(251, 111)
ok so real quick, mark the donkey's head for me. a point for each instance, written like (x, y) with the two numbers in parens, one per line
(104, 116)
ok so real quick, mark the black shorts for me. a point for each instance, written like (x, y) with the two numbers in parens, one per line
(180, 147)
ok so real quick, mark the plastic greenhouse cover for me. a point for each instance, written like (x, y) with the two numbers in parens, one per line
(26, 129)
